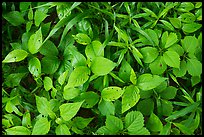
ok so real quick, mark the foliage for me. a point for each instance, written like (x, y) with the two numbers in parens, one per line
(101, 68)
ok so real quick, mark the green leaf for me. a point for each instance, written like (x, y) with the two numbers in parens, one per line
(102, 66)
(39, 17)
(47, 83)
(114, 123)
(195, 80)
(133, 77)
(176, 22)
(153, 35)
(14, 17)
(70, 92)
(18, 130)
(81, 122)
(14, 79)
(49, 49)
(111, 93)
(164, 38)
(186, 6)
(90, 99)
(34, 66)
(187, 17)
(146, 106)
(26, 120)
(24, 6)
(104, 131)
(28, 26)
(125, 71)
(169, 93)
(154, 124)
(166, 129)
(134, 122)
(62, 129)
(130, 97)
(51, 62)
(192, 27)
(78, 76)
(179, 72)
(30, 13)
(189, 44)
(177, 48)
(82, 38)
(15, 56)
(35, 42)
(106, 107)
(167, 24)
(166, 108)
(171, 39)
(43, 106)
(171, 58)
(69, 110)
(137, 55)
(94, 49)
(149, 54)
(116, 77)
(158, 66)
(148, 81)
(41, 127)
(122, 34)
(61, 79)
(182, 112)
(194, 67)
(183, 129)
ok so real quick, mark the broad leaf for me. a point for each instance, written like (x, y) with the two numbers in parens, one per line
(169, 93)
(154, 124)
(187, 17)
(51, 62)
(194, 67)
(34, 66)
(176, 22)
(179, 72)
(171, 39)
(158, 66)
(39, 16)
(35, 42)
(189, 44)
(78, 76)
(94, 49)
(130, 97)
(111, 93)
(15, 56)
(171, 58)
(149, 54)
(62, 129)
(82, 38)
(146, 106)
(41, 127)
(148, 81)
(14, 17)
(70, 93)
(166, 108)
(47, 83)
(114, 123)
(106, 107)
(69, 110)
(18, 130)
(49, 49)
(192, 27)
(102, 66)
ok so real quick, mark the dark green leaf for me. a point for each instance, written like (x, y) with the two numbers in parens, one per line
(14, 17)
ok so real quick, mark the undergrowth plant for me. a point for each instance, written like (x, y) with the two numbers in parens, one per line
(101, 68)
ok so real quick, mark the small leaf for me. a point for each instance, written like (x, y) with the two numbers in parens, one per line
(148, 81)
(169, 93)
(184, 129)
(171, 39)
(30, 14)
(176, 22)
(194, 67)
(154, 124)
(81, 122)
(39, 17)
(69, 110)
(102, 66)
(26, 120)
(122, 34)
(94, 49)
(158, 66)
(49, 49)
(18, 130)
(34, 66)
(125, 71)
(149, 54)
(82, 38)
(61, 79)
(192, 27)
(111, 93)
(41, 127)
(35, 42)
(166, 129)
(133, 77)
(47, 83)
(106, 107)
(171, 58)
(146, 106)
(114, 123)
(62, 129)
(14, 17)
(167, 24)
(179, 72)
(78, 76)
(130, 97)
(166, 108)
(15, 56)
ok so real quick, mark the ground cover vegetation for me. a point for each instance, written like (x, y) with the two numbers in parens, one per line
(101, 68)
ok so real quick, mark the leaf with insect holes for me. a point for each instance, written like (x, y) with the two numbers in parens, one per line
(78, 76)
(111, 93)
(34, 66)
(35, 42)
(158, 66)
(15, 56)
(171, 58)
(130, 97)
